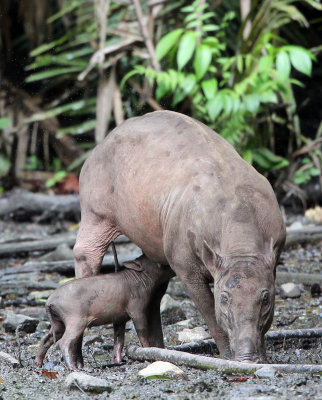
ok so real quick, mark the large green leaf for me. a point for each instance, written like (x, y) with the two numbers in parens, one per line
(209, 88)
(50, 73)
(300, 59)
(215, 106)
(167, 42)
(186, 48)
(251, 102)
(77, 105)
(283, 65)
(268, 160)
(202, 60)
(78, 129)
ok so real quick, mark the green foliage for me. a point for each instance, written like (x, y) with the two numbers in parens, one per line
(233, 89)
(33, 163)
(60, 175)
(231, 81)
(4, 123)
(58, 65)
(4, 166)
(305, 173)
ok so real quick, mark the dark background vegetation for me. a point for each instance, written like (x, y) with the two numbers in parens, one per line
(71, 70)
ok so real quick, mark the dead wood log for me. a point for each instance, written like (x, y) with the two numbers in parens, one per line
(23, 205)
(209, 345)
(294, 334)
(306, 234)
(202, 362)
(298, 277)
(45, 244)
(66, 267)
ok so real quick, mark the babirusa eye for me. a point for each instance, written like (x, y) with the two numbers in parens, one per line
(265, 298)
(224, 299)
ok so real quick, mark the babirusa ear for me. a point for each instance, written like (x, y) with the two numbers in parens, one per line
(133, 265)
(270, 257)
(209, 257)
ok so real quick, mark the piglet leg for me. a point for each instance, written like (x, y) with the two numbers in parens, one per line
(139, 318)
(46, 342)
(155, 327)
(54, 334)
(71, 344)
(119, 332)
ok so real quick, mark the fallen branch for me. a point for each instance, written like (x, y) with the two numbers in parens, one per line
(298, 277)
(67, 267)
(294, 334)
(307, 234)
(45, 244)
(202, 362)
(209, 345)
(23, 206)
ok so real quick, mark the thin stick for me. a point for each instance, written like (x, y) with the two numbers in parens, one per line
(154, 104)
(145, 34)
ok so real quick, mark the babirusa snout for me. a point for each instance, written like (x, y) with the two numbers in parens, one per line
(247, 350)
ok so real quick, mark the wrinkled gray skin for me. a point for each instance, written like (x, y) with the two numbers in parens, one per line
(134, 293)
(186, 198)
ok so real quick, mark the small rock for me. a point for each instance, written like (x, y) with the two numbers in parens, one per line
(314, 214)
(90, 339)
(87, 382)
(290, 290)
(41, 294)
(34, 312)
(9, 359)
(162, 370)
(62, 253)
(43, 326)
(266, 372)
(186, 323)
(26, 324)
(315, 290)
(171, 310)
(296, 225)
(177, 289)
(193, 335)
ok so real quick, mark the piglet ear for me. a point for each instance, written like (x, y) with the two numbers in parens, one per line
(209, 257)
(136, 266)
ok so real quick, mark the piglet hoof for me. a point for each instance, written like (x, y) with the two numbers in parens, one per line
(114, 364)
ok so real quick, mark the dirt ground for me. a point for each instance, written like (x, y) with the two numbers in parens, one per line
(27, 382)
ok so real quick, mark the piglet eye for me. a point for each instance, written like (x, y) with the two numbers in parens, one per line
(265, 298)
(223, 299)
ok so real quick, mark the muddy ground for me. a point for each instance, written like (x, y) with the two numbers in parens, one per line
(32, 383)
